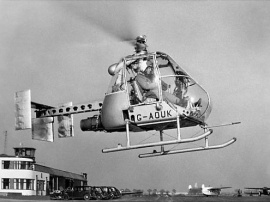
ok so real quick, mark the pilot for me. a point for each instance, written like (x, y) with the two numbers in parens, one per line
(146, 80)
(140, 48)
(137, 66)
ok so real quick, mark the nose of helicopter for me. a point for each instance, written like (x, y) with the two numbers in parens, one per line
(201, 104)
(181, 89)
(208, 108)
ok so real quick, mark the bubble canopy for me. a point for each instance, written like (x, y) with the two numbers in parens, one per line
(159, 78)
(182, 85)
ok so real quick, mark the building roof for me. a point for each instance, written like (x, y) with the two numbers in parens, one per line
(61, 173)
(5, 155)
(45, 169)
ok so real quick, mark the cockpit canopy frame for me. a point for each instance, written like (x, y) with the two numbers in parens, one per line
(156, 77)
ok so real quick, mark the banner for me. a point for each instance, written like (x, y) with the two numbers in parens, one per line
(42, 129)
(22, 110)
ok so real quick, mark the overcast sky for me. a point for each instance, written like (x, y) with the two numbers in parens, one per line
(61, 50)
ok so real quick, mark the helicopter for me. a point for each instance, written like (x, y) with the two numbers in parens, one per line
(148, 91)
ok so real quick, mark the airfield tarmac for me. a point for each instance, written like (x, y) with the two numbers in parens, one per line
(169, 199)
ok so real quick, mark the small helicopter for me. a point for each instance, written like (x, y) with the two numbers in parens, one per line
(148, 91)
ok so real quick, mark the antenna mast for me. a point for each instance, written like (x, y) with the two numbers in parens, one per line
(5, 143)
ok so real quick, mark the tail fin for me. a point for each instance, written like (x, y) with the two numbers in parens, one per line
(23, 110)
(189, 187)
(203, 186)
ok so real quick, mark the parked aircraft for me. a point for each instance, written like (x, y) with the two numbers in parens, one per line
(212, 191)
(137, 192)
(194, 190)
(260, 191)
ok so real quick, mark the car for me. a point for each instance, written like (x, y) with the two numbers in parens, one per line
(58, 195)
(102, 192)
(91, 192)
(106, 192)
(80, 192)
(115, 192)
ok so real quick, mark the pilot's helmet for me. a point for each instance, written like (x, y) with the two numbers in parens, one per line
(141, 39)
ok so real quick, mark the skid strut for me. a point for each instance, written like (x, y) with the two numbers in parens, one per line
(161, 143)
(206, 147)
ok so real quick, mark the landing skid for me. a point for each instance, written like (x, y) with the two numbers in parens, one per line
(162, 143)
(162, 153)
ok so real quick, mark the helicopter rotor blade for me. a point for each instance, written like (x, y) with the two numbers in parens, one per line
(122, 26)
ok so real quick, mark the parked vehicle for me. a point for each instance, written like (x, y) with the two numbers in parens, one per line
(87, 193)
(102, 192)
(80, 192)
(116, 193)
(106, 192)
(58, 195)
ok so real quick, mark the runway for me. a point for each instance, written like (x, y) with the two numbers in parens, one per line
(169, 199)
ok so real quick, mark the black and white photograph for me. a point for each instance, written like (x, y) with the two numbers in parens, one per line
(137, 100)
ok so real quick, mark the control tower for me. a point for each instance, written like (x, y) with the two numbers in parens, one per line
(25, 152)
